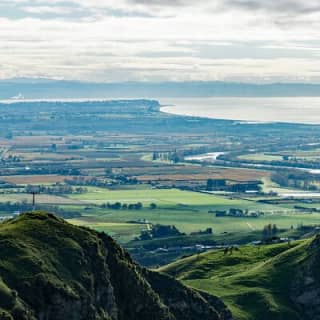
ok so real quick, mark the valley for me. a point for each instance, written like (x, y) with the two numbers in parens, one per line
(142, 176)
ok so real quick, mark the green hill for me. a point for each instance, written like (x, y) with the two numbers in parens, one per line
(52, 270)
(279, 281)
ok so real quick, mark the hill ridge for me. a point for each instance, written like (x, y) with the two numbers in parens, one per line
(50, 269)
(276, 281)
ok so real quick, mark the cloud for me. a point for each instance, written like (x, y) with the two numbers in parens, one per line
(121, 40)
(47, 9)
(278, 7)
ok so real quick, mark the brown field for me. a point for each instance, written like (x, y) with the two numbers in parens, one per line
(34, 156)
(229, 174)
(34, 179)
(24, 141)
(41, 199)
(41, 140)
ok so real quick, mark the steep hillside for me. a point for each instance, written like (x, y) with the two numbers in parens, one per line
(279, 281)
(50, 269)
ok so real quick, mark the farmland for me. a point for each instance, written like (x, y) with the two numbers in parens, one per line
(121, 167)
(34, 179)
(188, 211)
(261, 157)
(312, 155)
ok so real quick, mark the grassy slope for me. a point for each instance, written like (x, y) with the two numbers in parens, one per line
(53, 270)
(254, 282)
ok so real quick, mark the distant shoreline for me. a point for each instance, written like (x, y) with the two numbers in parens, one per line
(253, 110)
(240, 110)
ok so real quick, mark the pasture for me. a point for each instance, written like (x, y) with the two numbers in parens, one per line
(261, 273)
(188, 211)
(123, 232)
(162, 197)
(261, 157)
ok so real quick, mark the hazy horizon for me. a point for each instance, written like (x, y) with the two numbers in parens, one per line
(34, 89)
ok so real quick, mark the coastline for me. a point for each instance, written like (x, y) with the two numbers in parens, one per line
(253, 110)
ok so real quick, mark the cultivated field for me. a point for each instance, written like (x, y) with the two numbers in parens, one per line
(35, 179)
(114, 151)
(188, 211)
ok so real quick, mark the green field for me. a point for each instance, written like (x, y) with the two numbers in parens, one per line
(121, 231)
(261, 157)
(162, 197)
(260, 274)
(188, 211)
(269, 186)
(306, 155)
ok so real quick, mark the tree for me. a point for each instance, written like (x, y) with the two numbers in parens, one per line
(270, 230)
(138, 206)
(209, 185)
(275, 229)
(153, 206)
(267, 230)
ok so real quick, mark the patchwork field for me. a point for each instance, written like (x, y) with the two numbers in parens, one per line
(261, 157)
(188, 211)
(123, 232)
(312, 155)
(189, 173)
(163, 197)
(35, 179)
(41, 199)
(130, 152)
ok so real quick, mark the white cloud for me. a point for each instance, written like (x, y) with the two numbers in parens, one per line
(158, 40)
(46, 9)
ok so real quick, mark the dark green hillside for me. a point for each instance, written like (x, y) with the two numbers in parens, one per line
(50, 269)
(276, 282)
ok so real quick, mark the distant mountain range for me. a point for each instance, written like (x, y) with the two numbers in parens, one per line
(25, 88)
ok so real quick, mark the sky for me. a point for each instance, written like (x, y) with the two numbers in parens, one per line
(259, 41)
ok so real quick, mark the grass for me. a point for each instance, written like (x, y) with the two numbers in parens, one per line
(188, 211)
(261, 157)
(162, 197)
(189, 221)
(123, 232)
(254, 282)
(167, 199)
(269, 185)
(310, 155)
(307, 155)
(48, 266)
